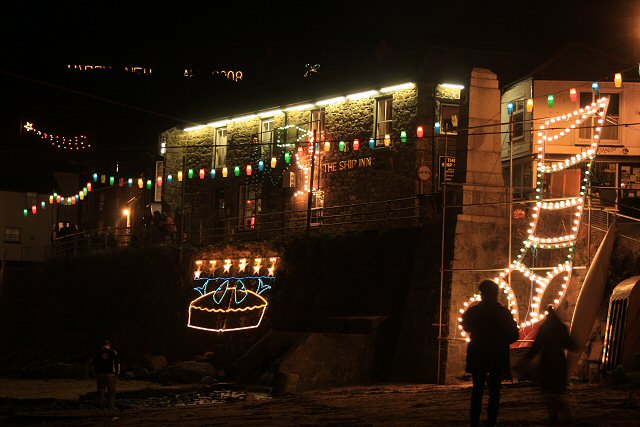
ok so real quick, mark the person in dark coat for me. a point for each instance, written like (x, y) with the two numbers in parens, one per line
(551, 342)
(491, 330)
(106, 367)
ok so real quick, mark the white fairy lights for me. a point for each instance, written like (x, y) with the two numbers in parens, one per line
(561, 126)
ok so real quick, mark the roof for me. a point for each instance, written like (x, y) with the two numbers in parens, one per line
(580, 62)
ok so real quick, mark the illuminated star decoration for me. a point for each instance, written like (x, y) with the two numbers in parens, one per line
(76, 143)
(311, 70)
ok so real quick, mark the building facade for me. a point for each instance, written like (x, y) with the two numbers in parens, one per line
(360, 157)
(615, 179)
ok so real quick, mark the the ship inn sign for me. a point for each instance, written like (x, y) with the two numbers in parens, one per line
(344, 165)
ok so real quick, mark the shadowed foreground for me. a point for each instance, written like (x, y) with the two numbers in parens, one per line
(522, 405)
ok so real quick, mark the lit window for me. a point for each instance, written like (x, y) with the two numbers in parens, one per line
(220, 147)
(266, 137)
(610, 128)
(317, 124)
(383, 119)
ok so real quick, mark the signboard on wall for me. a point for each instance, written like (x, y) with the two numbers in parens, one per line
(446, 168)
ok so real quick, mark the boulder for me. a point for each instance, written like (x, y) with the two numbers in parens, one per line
(187, 372)
(154, 363)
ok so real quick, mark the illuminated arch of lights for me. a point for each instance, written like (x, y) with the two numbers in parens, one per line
(552, 130)
(230, 293)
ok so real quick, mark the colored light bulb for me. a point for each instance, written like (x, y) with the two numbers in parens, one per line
(190, 173)
(149, 184)
(356, 144)
(212, 173)
(112, 180)
(202, 173)
(573, 94)
(529, 105)
(617, 80)
(327, 146)
(169, 179)
(551, 101)
(510, 108)
(95, 177)
(437, 126)
(420, 131)
(261, 165)
(274, 162)
(179, 176)
(287, 157)
(403, 136)
(341, 146)
(372, 143)
(249, 170)
(130, 182)
(387, 140)
(236, 170)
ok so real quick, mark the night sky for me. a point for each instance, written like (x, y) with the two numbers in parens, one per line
(123, 113)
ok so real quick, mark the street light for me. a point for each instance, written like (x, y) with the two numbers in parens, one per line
(127, 213)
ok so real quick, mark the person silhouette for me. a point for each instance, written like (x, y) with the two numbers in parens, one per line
(550, 343)
(491, 329)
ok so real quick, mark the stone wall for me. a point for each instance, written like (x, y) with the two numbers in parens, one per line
(482, 232)
(347, 177)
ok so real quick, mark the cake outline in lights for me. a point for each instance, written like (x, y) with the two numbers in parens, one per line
(228, 308)
(236, 303)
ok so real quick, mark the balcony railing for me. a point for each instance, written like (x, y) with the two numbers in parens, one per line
(387, 214)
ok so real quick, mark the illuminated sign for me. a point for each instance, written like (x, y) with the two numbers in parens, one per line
(230, 293)
(344, 165)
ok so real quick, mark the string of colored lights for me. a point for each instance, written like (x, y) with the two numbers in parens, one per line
(72, 143)
(596, 110)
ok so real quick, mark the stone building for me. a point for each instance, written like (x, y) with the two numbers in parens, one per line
(376, 149)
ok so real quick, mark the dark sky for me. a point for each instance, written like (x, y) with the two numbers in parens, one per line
(270, 41)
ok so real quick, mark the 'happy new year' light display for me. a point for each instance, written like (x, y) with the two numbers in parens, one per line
(570, 211)
(231, 293)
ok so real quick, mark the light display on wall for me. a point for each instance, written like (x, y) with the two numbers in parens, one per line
(71, 143)
(563, 245)
(230, 293)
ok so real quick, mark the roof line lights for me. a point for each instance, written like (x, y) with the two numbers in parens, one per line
(362, 95)
(308, 106)
(329, 101)
(218, 124)
(270, 113)
(300, 107)
(398, 87)
(244, 118)
(192, 128)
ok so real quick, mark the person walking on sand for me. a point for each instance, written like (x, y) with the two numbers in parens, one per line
(491, 330)
(551, 342)
(106, 367)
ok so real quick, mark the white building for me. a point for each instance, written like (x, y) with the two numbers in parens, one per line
(616, 174)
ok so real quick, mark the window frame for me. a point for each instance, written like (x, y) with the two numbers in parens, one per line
(220, 150)
(268, 148)
(379, 137)
(617, 141)
(14, 241)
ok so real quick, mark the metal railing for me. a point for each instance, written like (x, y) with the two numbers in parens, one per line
(396, 213)
(386, 214)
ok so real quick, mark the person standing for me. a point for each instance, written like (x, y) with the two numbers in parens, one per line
(491, 329)
(551, 342)
(106, 367)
